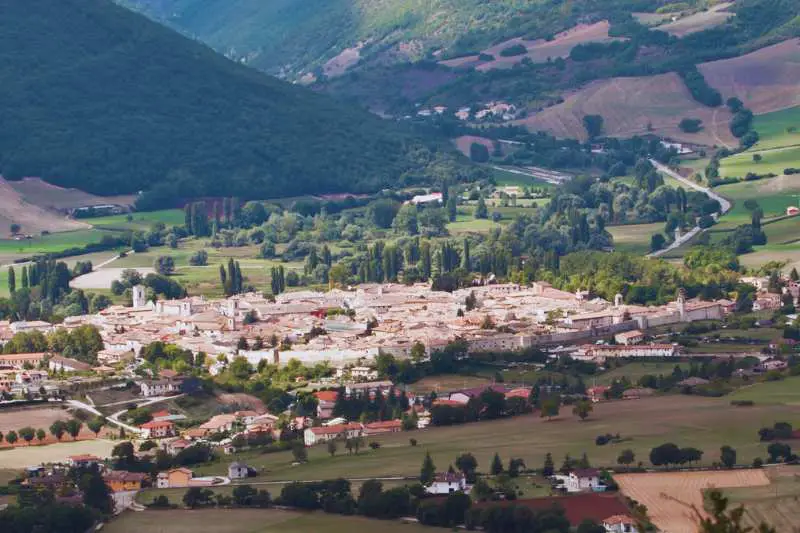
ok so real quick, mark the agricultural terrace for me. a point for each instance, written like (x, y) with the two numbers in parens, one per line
(703, 423)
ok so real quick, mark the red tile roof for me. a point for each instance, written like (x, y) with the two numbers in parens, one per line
(326, 395)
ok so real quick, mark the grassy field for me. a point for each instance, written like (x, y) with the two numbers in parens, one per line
(773, 160)
(503, 177)
(138, 221)
(251, 521)
(704, 423)
(784, 392)
(774, 195)
(634, 238)
(54, 242)
(774, 129)
(634, 371)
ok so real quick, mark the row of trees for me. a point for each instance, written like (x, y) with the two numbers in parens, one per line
(58, 429)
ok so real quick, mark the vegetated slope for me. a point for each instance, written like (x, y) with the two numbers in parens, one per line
(296, 35)
(765, 80)
(99, 98)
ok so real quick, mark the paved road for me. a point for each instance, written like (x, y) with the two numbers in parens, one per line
(723, 202)
(114, 418)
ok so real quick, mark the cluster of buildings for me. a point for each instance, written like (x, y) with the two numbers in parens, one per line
(348, 328)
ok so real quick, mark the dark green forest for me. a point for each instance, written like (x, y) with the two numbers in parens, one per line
(102, 99)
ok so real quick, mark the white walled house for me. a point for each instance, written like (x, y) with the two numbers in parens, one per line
(447, 483)
(584, 480)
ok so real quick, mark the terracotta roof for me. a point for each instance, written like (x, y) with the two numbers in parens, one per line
(124, 475)
(618, 519)
(326, 395)
(335, 429)
(155, 424)
(385, 424)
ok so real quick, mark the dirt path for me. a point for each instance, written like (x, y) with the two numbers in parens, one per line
(715, 130)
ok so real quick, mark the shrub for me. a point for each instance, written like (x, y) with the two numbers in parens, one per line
(514, 50)
(199, 258)
(691, 125)
(412, 442)
(742, 403)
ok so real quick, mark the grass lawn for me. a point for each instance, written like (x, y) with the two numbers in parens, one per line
(138, 221)
(252, 521)
(447, 383)
(705, 423)
(786, 391)
(634, 371)
(634, 238)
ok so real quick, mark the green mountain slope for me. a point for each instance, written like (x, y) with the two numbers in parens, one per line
(100, 98)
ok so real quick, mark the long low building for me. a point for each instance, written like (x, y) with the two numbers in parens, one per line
(601, 352)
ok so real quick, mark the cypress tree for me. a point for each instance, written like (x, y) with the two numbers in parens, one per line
(25, 277)
(428, 470)
(465, 256)
(12, 280)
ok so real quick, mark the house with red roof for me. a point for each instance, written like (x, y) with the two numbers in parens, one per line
(379, 428)
(157, 429)
(312, 436)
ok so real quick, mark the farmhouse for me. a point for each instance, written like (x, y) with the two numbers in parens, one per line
(238, 470)
(81, 461)
(312, 436)
(387, 426)
(620, 523)
(584, 480)
(447, 483)
(159, 387)
(628, 338)
(157, 429)
(175, 478)
(218, 424)
(121, 480)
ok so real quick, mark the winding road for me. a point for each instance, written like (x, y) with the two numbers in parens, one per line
(725, 206)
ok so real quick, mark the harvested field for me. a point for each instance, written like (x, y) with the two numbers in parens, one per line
(33, 455)
(43, 194)
(674, 498)
(702, 20)
(33, 219)
(102, 278)
(539, 50)
(629, 105)
(765, 80)
(34, 417)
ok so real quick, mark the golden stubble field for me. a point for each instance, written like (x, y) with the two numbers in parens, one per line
(673, 499)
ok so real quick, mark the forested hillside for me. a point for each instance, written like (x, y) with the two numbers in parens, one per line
(293, 35)
(102, 99)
